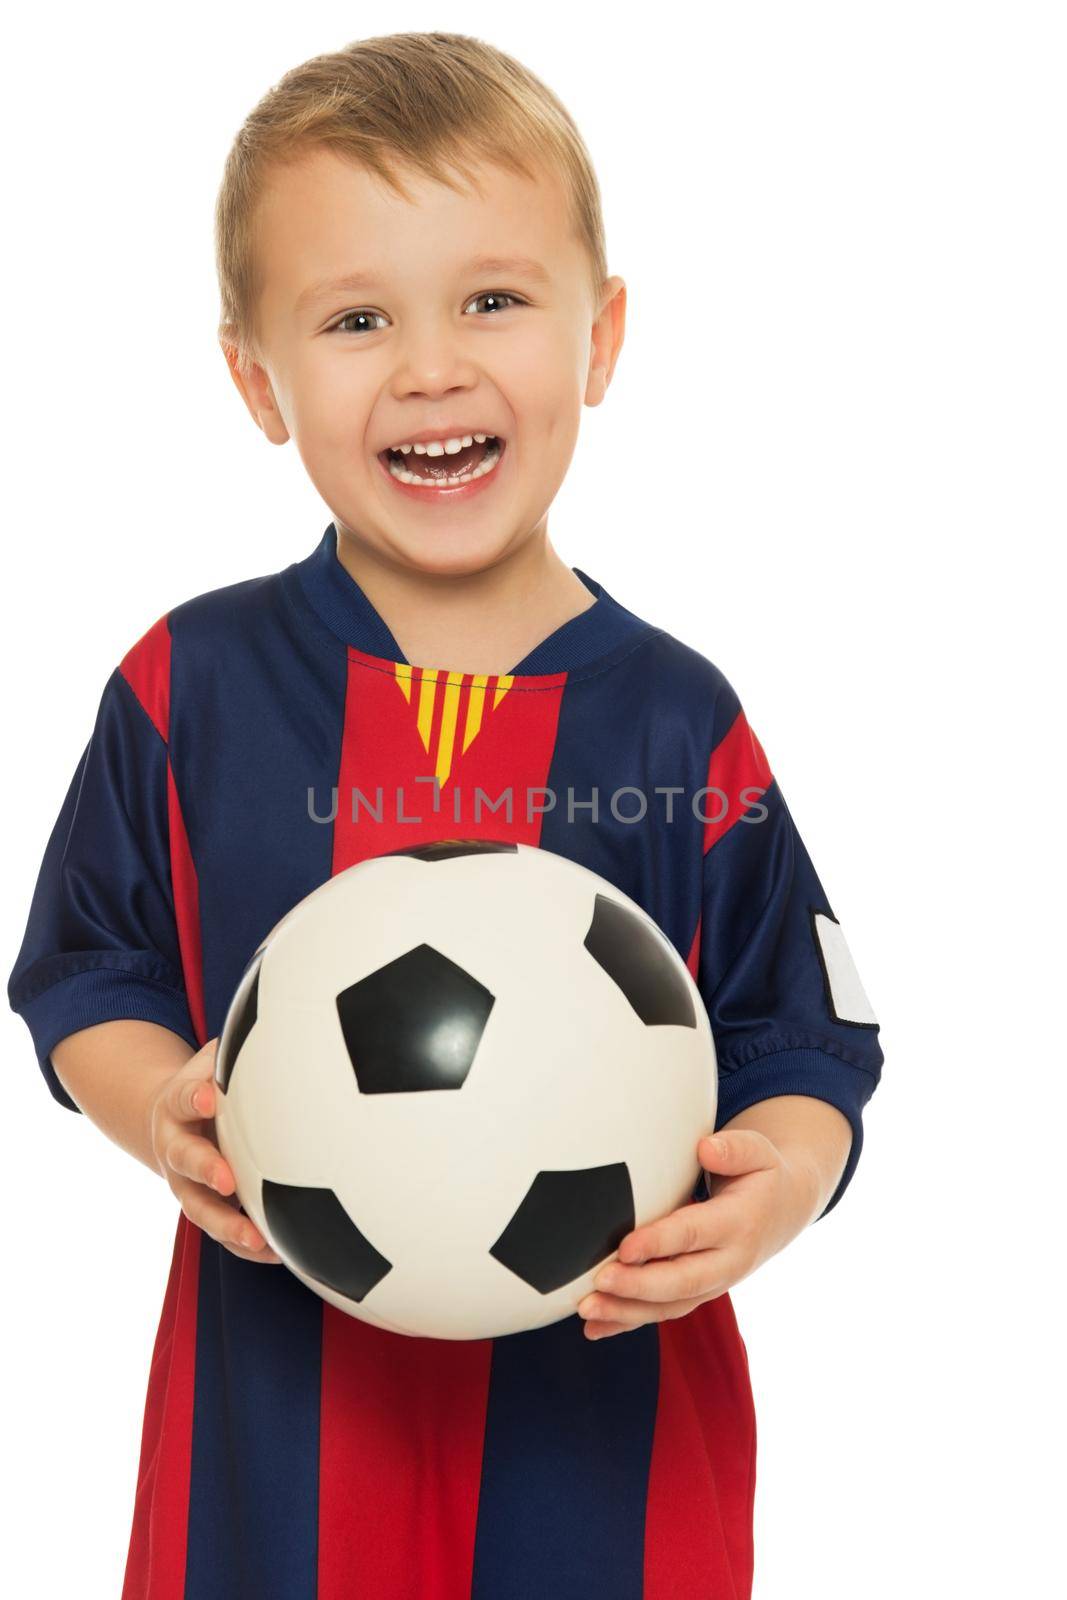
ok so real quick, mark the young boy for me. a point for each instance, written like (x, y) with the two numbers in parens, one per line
(414, 286)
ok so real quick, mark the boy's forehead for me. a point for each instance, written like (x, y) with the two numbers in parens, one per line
(325, 217)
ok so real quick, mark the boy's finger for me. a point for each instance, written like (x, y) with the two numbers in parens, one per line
(225, 1224)
(603, 1330)
(193, 1157)
(691, 1227)
(265, 1257)
(635, 1313)
(662, 1282)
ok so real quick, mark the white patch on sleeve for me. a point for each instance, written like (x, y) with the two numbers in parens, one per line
(847, 998)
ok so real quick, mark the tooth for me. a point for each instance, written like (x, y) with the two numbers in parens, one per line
(453, 447)
(419, 449)
(480, 438)
(406, 449)
(434, 448)
(468, 440)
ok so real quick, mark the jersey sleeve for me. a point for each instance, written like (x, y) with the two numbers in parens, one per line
(788, 1011)
(101, 940)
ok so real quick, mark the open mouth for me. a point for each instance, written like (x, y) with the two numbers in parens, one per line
(444, 471)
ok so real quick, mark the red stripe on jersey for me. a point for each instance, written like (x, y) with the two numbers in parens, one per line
(155, 1563)
(146, 668)
(381, 747)
(401, 1432)
(186, 890)
(703, 1459)
(438, 713)
(737, 764)
(402, 1421)
(692, 960)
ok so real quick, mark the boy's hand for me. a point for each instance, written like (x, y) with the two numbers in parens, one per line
(181, 1119)
(760, 1201)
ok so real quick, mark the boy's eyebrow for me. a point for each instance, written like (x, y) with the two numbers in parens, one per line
(525, 266)
(360, 282)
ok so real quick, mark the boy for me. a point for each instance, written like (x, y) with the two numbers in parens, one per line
(414, 289)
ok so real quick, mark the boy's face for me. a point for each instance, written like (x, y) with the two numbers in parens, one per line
(420, 347)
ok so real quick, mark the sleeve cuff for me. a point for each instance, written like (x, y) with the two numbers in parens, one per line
(806, 1071)
(102, 995)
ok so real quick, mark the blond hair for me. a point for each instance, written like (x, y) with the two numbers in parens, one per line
(436, 103)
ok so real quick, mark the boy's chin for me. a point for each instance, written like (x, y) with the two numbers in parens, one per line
(456, 554)
(452, 548)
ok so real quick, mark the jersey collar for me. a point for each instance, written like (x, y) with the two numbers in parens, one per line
(346, 610)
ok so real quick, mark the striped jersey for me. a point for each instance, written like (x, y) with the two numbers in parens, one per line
(257, 740)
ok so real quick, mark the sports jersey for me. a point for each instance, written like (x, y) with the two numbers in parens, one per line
(257, 740)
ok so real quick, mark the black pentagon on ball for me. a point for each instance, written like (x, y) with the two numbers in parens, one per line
(414, 1024)
(637, 958)
(239, 1023)
(448, 849)
(567, 1222)
(314, 1233)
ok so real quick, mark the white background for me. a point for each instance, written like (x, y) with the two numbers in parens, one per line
(842, 230)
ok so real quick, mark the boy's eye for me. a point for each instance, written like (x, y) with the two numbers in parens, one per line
(497, 296)
(355, 316)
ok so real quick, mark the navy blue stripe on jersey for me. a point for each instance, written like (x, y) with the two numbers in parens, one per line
(243, 773)
(244, 769)
(587, 1427)
(254, 1479)
(640, 720)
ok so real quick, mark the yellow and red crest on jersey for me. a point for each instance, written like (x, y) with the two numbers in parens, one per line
(449, 708)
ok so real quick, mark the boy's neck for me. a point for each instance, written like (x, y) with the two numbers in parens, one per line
(484, 622)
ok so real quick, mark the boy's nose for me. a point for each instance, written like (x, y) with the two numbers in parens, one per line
(433, 365)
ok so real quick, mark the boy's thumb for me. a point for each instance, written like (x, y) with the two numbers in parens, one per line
(730, 1154)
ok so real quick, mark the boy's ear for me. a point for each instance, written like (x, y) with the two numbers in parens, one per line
(607, 337)
(255, 390)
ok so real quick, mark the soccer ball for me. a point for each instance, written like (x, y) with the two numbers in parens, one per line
(453, 1078)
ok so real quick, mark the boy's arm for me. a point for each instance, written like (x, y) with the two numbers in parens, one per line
(150, 1092)
(114, 1072)
(810, 1134)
